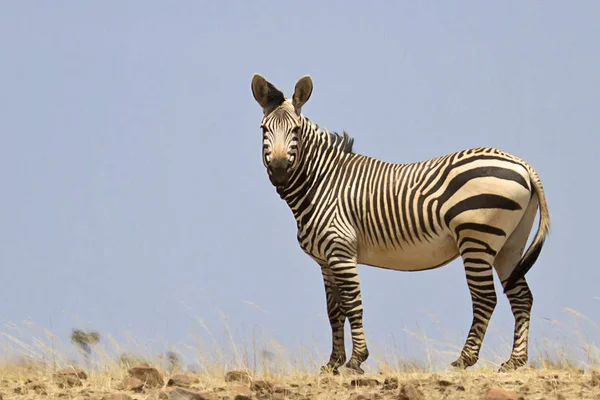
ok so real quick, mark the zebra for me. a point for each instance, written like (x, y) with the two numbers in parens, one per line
(479, 204)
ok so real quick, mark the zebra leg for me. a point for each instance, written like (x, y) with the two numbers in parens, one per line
(345, 272)
(480, 280)
(520, 297)
(337, 319)
(521, 302)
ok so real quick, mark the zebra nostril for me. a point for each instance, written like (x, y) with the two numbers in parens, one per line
(279, 164)
(278, 171)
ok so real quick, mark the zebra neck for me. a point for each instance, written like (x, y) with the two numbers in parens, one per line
(322, 152)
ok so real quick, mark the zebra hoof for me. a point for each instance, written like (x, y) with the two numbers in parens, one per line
(353, 368)
(465, 361)
(459, 364)
(511, 365)
(329, 370)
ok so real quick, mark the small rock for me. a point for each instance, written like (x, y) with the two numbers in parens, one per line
(364, 382)
(237, 376)
(390, 383)
(410, 392)
(444, 383)
(133, 384)
(242, 397)
(500, 394)
(78, 372)
(148, 375)
(262, 386)
(560, 396)
(116, 396)
(186, 394)
(182, 380)
(70, 377)
(460, 388)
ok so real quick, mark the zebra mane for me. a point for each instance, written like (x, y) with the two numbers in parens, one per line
(343, 142)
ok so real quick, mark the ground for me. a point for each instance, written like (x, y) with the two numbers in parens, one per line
(146, 382)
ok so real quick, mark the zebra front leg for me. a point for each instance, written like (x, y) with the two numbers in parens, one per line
(337, 319)
(480, 280)
(521, 302)
(345, 273)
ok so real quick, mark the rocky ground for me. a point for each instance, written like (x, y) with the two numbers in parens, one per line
(147, 383)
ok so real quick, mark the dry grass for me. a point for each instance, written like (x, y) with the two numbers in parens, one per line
(566, 366)
(37, 381)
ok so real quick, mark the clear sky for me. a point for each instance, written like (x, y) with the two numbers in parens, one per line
(133, 197)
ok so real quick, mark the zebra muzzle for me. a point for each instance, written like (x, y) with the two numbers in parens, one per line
(278, 171)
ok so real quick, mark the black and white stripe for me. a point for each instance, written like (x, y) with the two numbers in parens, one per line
(352, 209)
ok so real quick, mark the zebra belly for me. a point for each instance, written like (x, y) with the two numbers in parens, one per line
(411, 257)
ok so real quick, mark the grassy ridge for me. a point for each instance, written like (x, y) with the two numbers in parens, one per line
(31, 356)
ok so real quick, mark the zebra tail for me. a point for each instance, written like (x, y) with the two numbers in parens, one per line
(533, 252)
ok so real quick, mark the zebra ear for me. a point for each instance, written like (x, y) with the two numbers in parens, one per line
(302, 92)
(266, 94)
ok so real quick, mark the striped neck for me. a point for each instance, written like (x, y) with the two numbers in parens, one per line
(321, 152)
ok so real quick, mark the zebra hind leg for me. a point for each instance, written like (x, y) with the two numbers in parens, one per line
(519, 297)
(480, 279)
(337, 319)
(521, 302)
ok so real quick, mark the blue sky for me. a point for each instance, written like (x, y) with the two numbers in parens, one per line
(134, 200)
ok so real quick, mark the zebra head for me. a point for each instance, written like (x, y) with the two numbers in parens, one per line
(281, 125)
